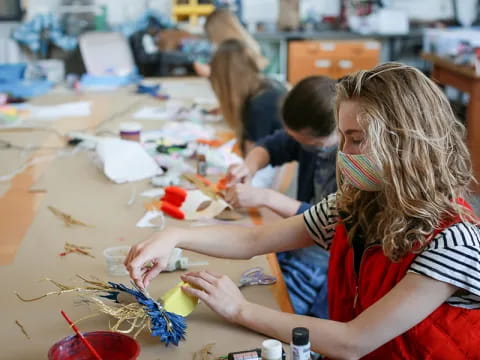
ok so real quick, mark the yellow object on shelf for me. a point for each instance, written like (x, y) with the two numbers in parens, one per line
(191, 11)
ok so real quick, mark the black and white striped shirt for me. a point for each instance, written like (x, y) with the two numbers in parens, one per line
(453, 255)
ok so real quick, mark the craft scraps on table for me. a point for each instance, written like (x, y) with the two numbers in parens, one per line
(77, 249)
(132, 307)
(22, 329)
(68, 220)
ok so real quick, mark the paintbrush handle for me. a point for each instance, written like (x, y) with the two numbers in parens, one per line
(80, 335)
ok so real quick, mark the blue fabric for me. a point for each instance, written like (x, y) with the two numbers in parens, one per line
(304, 270)
(200, 50)
(305, 274)
(41, 29)
(143, 21)
(109, 80)
(26, 88)
(304, 206)
(12, 72)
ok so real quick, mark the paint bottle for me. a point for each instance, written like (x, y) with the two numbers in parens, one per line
(130, 131)
(272, 350)
(300, 344)
(201, 165)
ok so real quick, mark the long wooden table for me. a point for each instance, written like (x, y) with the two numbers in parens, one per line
(32, 237)
(465, 79)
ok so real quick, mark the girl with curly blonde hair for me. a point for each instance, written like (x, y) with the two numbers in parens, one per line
(404, 271)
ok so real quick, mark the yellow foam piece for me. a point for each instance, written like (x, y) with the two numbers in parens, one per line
(178, 302)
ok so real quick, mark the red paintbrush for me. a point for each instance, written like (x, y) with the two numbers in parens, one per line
(82, 338)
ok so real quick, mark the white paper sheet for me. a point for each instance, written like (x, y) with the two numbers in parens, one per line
(165, 112)
(72, 109)
(125, 161)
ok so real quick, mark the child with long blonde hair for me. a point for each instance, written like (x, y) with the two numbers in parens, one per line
(404, 271)
(222, 25)
(249, 102)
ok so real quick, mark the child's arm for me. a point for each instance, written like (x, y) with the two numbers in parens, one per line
(242, 196)
(235, 242)
(256, 159)
(413, 299)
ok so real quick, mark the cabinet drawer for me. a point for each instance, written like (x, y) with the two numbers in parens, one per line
(330, 58)
(335, 48)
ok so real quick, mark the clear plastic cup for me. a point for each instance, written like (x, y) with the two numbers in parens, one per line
(114, 259)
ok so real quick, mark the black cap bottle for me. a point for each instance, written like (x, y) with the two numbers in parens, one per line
(300, 345)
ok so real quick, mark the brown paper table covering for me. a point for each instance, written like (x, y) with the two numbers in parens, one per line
(32, 237)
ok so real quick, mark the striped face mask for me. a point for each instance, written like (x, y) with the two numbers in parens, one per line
(360, 171)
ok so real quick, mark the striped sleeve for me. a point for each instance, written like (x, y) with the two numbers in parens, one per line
(453, 256)
(320, 221)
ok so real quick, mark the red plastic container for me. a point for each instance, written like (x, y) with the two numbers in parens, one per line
(109, 345)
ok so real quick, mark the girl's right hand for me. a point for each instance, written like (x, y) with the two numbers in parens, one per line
(149, 257)
(238, 173)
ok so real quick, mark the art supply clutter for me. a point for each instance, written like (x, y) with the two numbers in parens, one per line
(256, 276)
(300, 346)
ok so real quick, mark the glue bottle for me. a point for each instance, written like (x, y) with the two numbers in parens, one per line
(300, 344)
(201, 165)
(272, 350)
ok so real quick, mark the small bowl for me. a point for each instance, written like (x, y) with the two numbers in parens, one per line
(109, 345)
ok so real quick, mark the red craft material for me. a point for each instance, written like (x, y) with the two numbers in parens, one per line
(172, 210)
(174, 195)
(90, 348)
(110, 345)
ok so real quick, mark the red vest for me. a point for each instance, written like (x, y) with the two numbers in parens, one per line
(448, 333)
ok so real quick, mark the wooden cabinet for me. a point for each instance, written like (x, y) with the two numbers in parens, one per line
(330, 58)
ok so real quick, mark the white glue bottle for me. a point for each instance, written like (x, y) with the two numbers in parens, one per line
(300, 344)
(271, 350)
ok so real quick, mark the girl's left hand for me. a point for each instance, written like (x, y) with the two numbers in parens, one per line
(218, 291)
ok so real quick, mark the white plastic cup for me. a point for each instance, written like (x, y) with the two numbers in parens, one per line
(114, 259)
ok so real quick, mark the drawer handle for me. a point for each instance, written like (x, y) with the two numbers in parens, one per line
(323, 63)
(345, 64)
(327, 46)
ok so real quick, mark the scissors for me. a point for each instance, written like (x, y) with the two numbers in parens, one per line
(256, 276)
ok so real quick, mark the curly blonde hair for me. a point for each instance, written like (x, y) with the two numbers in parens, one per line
(417, 141)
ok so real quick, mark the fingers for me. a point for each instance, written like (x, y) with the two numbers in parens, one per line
(137, 270)
(202, 280)
(202, 295)
(237, 173)
(151, 273)
(231, 196)
(214, 274)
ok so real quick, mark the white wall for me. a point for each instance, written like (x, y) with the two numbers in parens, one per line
(426, 10)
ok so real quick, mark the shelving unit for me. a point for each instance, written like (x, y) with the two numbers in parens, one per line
(190, 10)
